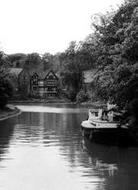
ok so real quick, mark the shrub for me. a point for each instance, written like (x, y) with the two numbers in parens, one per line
(82, 96)
(6, 91)
(71, 95)
(3, 100)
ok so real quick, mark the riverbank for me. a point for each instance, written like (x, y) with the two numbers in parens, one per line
(97, 104)
(8, 112)
(49, 100)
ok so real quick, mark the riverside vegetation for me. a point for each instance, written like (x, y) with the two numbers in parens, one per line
(111, 49)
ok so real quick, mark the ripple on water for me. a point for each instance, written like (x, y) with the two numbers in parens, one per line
(43, 149)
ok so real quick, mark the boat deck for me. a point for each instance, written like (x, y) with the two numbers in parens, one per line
(91, 125)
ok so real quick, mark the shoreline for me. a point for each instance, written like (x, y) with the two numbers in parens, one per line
(58, 101)
(9, 112)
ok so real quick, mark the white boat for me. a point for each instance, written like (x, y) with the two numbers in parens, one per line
(104, 126)
(101, 119)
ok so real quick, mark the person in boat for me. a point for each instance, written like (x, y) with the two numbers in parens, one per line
(104, 115)
(107, 114)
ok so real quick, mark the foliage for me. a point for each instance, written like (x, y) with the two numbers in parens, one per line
(17, 60)
(71, 95)
(6, 88)
(73, 61)
(82, 96)
(117, 60)
(33, 61)
(47, 60)
(111, 49)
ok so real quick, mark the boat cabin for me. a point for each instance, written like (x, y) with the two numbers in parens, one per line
(103, 114)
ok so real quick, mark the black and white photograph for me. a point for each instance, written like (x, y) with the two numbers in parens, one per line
(68, 94)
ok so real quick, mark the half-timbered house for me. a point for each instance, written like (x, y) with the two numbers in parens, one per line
(37, 84)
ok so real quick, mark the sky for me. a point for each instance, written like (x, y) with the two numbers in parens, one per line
(47, 25)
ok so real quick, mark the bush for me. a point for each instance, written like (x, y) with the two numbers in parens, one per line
(71, 95)
(3, 100)
(82, 96)
(6, 91)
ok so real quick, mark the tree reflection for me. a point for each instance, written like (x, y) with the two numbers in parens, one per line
(107, 166)
(6, 132)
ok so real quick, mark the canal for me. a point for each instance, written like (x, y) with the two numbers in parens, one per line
(42, 149)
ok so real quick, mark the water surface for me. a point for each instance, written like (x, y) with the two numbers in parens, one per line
(42, 149)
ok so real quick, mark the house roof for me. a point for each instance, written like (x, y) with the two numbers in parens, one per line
(51, 72)
(15, 71)
(88, 76)
(41, 74)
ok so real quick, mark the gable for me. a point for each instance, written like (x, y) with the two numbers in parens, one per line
(35, 76)
(51, 76)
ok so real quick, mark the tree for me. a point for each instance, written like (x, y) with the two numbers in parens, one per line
(6, 88)
(33, 61)
(117, 58)
(47, 60)
(71, 70)
(77, 58)
(118, 55)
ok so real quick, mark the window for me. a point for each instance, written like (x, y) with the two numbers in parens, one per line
(41, 83)
(34, 79)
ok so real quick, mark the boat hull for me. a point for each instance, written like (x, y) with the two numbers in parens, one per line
(111, 136)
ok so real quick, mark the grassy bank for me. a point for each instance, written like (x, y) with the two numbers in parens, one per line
(8, 111)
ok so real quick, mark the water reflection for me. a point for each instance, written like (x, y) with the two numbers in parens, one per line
(119, 166)
(6, 132)
(45, 150)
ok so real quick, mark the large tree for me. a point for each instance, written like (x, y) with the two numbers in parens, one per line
(117, 61)
(117, 57)
(77, 58)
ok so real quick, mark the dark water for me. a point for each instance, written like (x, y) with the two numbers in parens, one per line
(42, 149)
